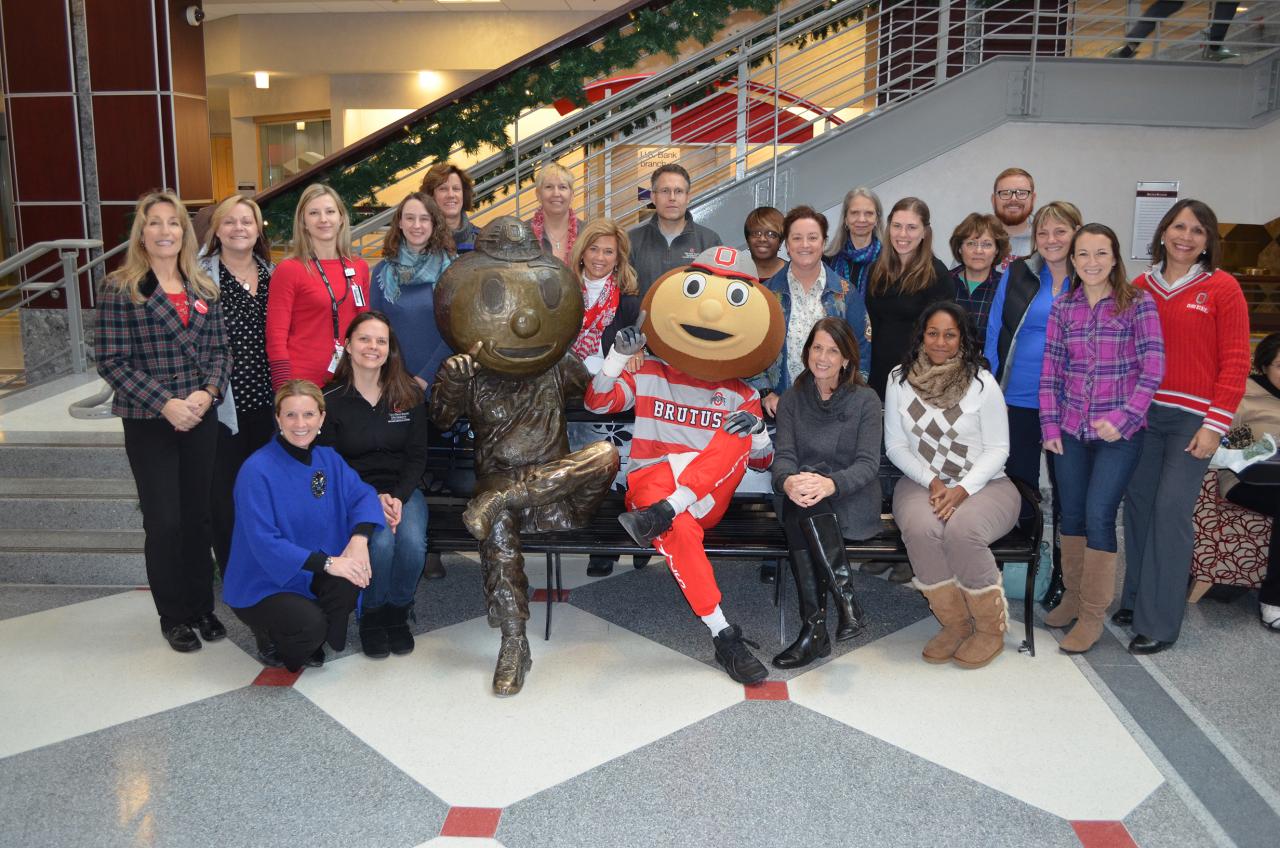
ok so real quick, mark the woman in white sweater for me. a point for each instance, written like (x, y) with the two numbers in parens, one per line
(947, 429)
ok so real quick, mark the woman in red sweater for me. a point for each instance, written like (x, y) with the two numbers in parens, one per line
(1205, 323)
(315, 291)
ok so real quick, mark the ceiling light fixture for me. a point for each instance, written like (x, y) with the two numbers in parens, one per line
(261, 79)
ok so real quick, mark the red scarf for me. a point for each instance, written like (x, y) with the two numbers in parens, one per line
(539, 224)
(596, 318)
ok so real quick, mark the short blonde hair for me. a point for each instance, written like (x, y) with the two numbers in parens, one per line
(212, 244)
(553, 169)
(1059, 210)
(299, 388)
(598, 228)
(300, 246)
(137, 263)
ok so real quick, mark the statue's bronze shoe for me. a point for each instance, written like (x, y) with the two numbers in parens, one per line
(482, 511)
(514, 661)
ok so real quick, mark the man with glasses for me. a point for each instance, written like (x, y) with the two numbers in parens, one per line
(670, 238)
(1014, 200)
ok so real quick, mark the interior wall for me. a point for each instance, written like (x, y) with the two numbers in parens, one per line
(1096, 167)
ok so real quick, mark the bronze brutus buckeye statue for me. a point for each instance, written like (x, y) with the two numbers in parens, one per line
(516, 311)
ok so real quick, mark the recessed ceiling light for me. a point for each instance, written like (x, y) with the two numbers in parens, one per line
(261, 79)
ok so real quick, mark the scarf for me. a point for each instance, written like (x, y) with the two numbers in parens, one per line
(940, 386)
(539, 224)
(413, 269)
(595, 319)
(850, 258)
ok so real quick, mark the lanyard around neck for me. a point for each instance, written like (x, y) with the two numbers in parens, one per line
(334, 303)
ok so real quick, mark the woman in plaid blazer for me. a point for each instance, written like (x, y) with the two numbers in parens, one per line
(162, 346)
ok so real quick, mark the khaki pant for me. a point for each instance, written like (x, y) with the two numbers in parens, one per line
(960, 547)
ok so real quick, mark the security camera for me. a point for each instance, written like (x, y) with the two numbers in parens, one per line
(195, 15)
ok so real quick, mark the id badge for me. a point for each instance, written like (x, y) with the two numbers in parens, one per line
(357, 295)
(337, 357)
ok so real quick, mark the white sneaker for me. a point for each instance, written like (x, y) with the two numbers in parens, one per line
(1270, 616)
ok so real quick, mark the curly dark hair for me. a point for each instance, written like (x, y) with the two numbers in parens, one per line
(1265, 353)
(973, 360)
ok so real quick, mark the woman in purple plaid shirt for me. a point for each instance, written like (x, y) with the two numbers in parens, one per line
(1104, 360)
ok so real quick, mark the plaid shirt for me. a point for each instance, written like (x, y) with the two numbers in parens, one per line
(978, 302)
(146, 354)
(1099, 365)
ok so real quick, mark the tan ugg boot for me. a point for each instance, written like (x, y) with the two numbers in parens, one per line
(1068, 609)
(947, 603)
(1097, 590)
(990, 613)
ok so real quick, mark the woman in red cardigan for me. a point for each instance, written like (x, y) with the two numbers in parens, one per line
(1205, 323)
(315, 291)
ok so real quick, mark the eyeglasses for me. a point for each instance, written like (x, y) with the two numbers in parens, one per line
(1010, 193)
(769, 234)
(318, 484)
(672, 192)
(971, 244)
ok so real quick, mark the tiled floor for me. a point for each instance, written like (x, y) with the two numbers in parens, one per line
(627, 734)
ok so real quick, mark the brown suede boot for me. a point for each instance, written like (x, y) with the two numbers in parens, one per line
(1068, 609)
(947, 603)
(1097, 590)
(990, 613)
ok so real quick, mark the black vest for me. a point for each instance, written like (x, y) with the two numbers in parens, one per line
(1021, 289)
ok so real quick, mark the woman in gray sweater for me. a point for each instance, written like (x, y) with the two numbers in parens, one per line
(825, 470)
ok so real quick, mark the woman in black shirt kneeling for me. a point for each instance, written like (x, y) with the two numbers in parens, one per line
(377, 421)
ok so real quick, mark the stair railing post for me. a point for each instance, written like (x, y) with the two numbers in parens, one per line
(740, 130)
(1027, 89)
(75, 321)
(777, 59)
(944, 33)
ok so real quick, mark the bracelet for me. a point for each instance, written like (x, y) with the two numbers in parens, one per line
(328, 563)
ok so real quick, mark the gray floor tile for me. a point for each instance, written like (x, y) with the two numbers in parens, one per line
(259, 766)
(22, 600)
(649, 602)
(1165, 821)
(775, 774)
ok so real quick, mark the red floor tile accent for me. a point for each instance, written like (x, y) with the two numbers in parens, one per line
(1103, 834)
(770, 690)
(471, 821)
(540, 596)
(277, 677)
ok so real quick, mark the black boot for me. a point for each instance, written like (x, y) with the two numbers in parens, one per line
(399, 637)
(1053, 595)
(433, 568)
(813, 642)
(735, 659)
(267, 651)
(373, 633)
(826, 546)
(645, 525)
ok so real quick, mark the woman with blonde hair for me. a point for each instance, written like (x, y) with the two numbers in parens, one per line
(315, 291)
(162, 347)
(556, 223)
(238, 261)
(453, 190)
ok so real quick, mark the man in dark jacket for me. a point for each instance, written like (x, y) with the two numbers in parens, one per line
(669, 238)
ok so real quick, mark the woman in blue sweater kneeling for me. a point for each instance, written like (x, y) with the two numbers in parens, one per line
(300, 548)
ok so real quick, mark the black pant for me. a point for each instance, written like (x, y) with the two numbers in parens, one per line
(256, 429)
(174, 473)
(1223, 12)
(1025, 448)
(1266, 500)
(298, 625)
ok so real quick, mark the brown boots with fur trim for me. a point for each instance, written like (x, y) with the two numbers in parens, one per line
(973, 623)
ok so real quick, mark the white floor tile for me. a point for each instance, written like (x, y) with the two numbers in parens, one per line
(434, 714)
(460, 842)
(1031, 727)
(573, 570)
(83, 667)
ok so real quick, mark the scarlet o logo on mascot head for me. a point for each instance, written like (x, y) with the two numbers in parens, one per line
(524, 307)
(713, 319)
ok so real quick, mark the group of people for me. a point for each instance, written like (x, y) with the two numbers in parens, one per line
(276, 414)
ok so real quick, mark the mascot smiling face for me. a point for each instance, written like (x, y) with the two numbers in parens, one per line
(712, 319)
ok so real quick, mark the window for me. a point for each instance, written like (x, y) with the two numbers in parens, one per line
(287, 147)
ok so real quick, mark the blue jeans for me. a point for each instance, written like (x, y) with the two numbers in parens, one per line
(397, 558)
(1092, 477)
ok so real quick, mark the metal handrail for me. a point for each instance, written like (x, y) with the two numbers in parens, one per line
(68, 250)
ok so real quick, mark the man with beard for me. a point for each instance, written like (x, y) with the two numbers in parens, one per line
(1014, 200)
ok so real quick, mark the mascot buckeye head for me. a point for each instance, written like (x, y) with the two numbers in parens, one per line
(522, 307)
(712, 319)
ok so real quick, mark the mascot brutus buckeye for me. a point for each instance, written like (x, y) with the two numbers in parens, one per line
(698, 424)
(516, 312)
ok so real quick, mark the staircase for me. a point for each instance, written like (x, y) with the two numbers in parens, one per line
(69, 515)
